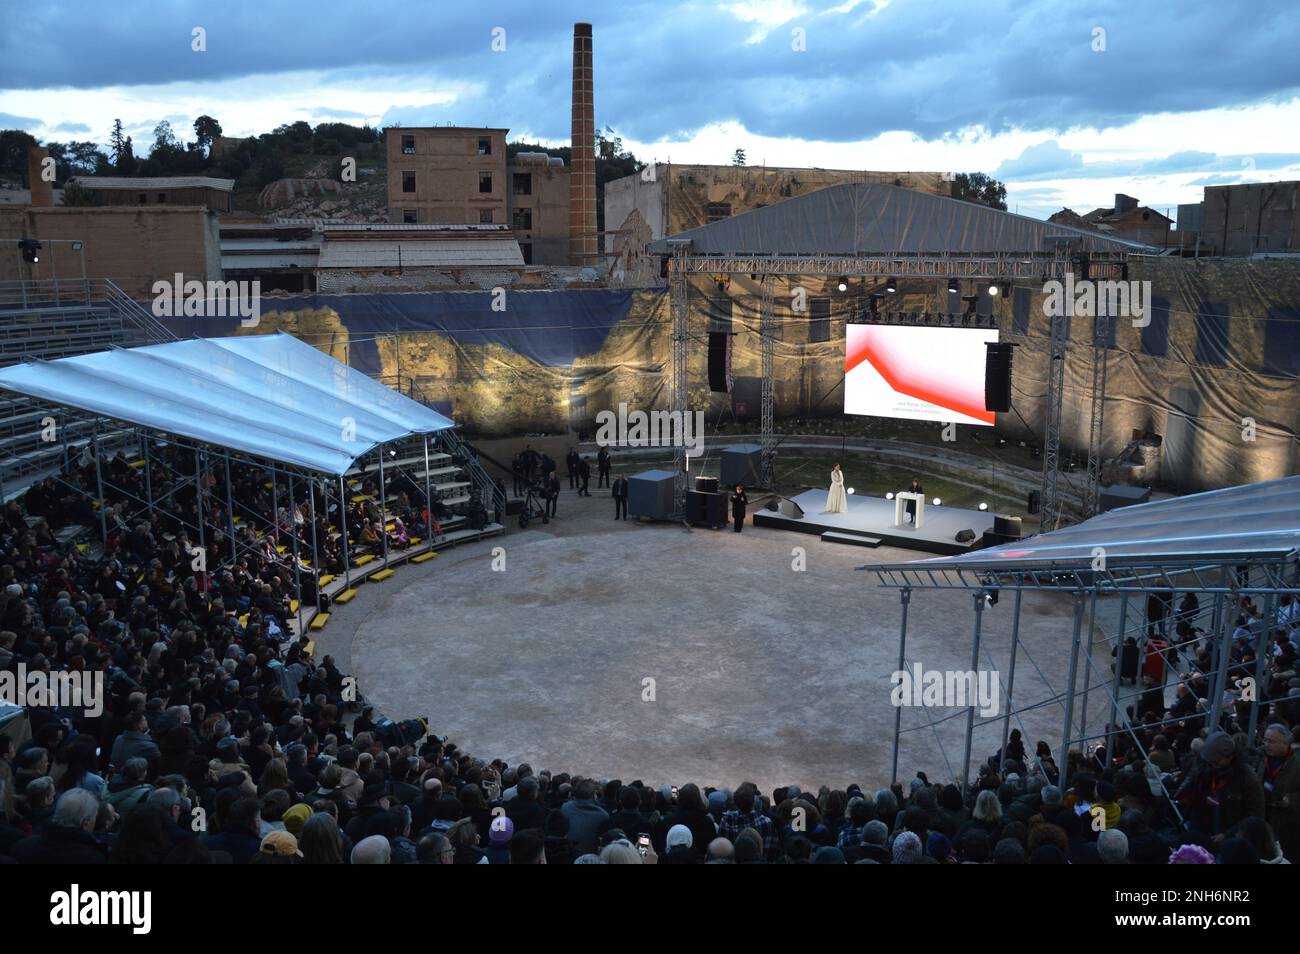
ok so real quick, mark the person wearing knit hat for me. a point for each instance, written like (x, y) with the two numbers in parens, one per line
(296, 817)
(1218, 746)
(1191, 855)
(907, 849)
(679, 836)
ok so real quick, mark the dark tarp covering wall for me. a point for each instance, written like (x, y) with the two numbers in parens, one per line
(539, 361)
(554, 359)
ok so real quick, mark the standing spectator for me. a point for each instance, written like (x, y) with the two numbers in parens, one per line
(619, 491)
(739, 501)
(571, 465)
(603, 467)
(584, 478)
(1280, 777)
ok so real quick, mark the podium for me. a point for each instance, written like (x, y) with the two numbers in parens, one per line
(900, 509)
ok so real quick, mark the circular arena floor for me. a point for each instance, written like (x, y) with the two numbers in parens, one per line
(760, 672)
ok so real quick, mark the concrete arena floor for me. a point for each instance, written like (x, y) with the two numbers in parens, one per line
(761, 673)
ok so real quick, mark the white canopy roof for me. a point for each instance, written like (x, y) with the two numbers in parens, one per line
(1247, 521)
(272, 396)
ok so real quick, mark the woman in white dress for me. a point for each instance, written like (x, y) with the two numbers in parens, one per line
(836, 500)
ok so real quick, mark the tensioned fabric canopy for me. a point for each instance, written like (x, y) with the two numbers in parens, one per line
(272, 396)
(1249, 520)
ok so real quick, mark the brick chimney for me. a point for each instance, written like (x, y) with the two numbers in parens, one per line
(582, 168)
(42, 191)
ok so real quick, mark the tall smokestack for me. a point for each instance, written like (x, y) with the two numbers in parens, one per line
(42, 191)
(582, 166)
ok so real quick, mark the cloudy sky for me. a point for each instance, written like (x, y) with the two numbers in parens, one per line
(1067, 102)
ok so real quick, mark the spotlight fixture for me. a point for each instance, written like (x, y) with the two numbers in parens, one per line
(936, 501)
(891, 285)
(983, 505)
(31, 250)
(994, 291)
(76, 246)
(889, 496)
(953, 286)
(850, 491)
(843, 285)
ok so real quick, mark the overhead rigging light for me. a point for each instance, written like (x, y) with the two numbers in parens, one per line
(891, 285)
(993, 289)
(31, 250)
(843, 285)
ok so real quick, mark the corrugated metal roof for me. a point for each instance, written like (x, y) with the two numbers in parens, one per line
(287, 259)
(157, 182)
(863, 218)
(435, 253)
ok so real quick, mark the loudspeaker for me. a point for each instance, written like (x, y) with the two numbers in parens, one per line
(997, 377)
(706, 485)
(789, 508)
(965, 536)
(719, 361)
(1006, 526)
(706, 508)
(1035, 501)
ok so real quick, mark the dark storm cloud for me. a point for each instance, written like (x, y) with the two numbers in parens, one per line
(933, 67)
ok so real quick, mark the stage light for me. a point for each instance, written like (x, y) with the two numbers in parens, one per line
(891, 285)
(843, 285)
(31, 250)
(994, 290)
(889, 496)
(850, 490)
(983, 505)
(936, 501)
(953, 286)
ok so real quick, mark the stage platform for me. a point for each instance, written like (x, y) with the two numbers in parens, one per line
(874, 517)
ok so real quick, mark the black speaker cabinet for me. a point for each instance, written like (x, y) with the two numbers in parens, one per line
(719, 361)
(997, 377)
(706, 485)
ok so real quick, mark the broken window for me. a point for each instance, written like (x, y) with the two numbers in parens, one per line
(717, 211)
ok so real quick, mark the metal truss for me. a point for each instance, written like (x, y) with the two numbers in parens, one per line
(767, 341)
(679, 392)
(1096, 435)
(1050, 513)
(1266, 572)
(1222, 579)
(1035, 266)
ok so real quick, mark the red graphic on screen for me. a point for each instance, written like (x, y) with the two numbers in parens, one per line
(908, 371)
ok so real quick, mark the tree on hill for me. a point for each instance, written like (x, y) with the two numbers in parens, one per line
(206, 131)
(979, 188)
(13, 154)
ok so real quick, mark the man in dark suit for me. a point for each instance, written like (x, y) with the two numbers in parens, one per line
(619, 490)
(738, 504)
(584, 478)
(910, 505)
(552, 493)
(602, 468)
(571, 465)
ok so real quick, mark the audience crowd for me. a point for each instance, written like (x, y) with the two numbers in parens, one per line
(224, 739)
